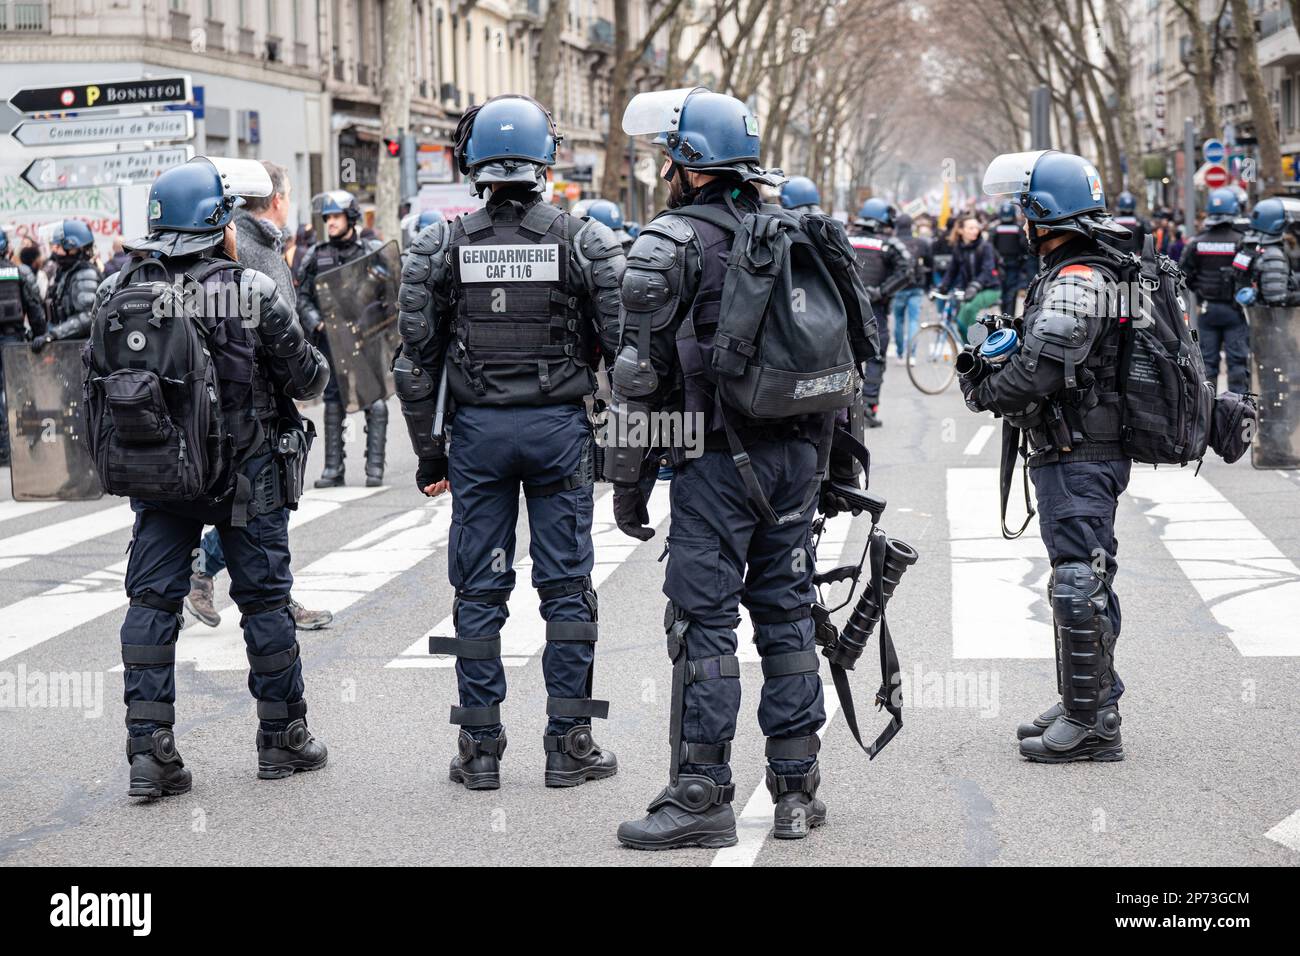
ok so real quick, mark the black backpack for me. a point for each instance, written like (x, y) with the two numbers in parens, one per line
(152, 392)
(782, 348)
(1166, 406)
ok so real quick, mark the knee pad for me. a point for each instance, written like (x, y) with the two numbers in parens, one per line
(572, 586)
(1078, 593)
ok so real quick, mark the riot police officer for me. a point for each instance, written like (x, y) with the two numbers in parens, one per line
(886, 267)
(1015, 261)
(1207, 264)
(800, 194)
(610, 215)
(508, 308)
(21, 313)
(720, 552)
(264, 363)
(416, 222)
(343, 243)
(1065, 377)
(72, 294)
(1126, 217)
(1263, 270)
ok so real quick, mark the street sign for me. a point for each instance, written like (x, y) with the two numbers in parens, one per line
(107, 169)
(162, 127)
(1215, 177)
(94, 96)
(1213, 152)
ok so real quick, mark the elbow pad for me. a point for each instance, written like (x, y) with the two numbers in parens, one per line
(415, 388)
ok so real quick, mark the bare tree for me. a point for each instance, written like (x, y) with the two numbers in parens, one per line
(550, 45)
(1261, 111)
(394, 114)
(1202, 66)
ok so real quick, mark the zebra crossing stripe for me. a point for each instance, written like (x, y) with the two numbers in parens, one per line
(10, 510)
(999, 587)
(20, 548)
(524, 633)
(41, 617)
(1250, 587)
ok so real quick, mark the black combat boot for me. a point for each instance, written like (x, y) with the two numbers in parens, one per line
(477, 764)
(376, 436)
(156, 766)
(1040, 723)
(331, 475)
(797, 808)
(694, 811)
(282, 753)
(1073, 737)
(574, 758)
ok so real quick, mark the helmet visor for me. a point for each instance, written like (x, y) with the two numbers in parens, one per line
(656, 112)
(1009, 174)
(242, 177)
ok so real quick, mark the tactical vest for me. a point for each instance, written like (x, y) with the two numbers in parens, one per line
(520, 338)
(1092, 409)
(330, 255)
(1215, 250)
(62, 288)
(11, 301)
(1008, 243)
(870, 252)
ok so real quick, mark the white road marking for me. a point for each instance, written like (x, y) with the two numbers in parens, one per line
(754, 822)
(1287, 832)
(20, 509)
(333, 583)
(1251, 588)
(20, 548)
(38, 618)
(524, 633)
(979, 440)
(994, 583)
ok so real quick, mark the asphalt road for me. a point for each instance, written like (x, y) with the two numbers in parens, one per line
(1210, 652)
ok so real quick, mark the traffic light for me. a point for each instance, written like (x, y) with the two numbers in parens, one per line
(394, 147)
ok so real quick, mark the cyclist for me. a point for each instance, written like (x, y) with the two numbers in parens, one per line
(974, 269)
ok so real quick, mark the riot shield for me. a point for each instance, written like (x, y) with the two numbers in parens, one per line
(1275, 378)
(358, 306)
(50, 457)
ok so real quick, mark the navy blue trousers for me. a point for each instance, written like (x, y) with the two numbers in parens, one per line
(493, 452)
(164, 551)
(1222, 328)
(720, 555)
(1076, 517)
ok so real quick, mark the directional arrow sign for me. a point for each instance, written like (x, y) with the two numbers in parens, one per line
(116, 129)
(93, 96)
(108, 169)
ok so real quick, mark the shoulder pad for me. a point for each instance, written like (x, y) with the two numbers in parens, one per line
(106, 288)
(1072, 300)
(595, 240)
(654, 251)
(430, 240)
(676, 228)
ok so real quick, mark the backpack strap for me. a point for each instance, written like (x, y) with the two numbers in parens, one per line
(745, 467)
(478, 224)
(711, 214)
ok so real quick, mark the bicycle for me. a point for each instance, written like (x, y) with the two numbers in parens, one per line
(932, 353)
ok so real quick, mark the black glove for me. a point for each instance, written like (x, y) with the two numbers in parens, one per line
(630, 512)
(431, 471)
(830, 504)
(968, 385)
(40, 342)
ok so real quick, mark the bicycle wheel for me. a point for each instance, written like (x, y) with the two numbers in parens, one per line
(932, 358)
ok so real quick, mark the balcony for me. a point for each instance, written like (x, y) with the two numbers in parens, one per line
(24, 17)
(526, 10)
(363, 74)
(601, 33)
(301, 55)
(246, 41)
(274, 47)
(1279, 44)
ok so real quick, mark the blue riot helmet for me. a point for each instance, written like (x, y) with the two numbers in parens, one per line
(72, 236)
(190, 205)
(701, 130)
(799, 191)
(1221, 206)
(1057, 191)
(876, 214)
(415, 223)
(1125, 203)
(1007, 212)
(1272, 216)
(334, 202)
(633, 228)
(509, 139)
(580, 207)
(4, 244)
(602, 210)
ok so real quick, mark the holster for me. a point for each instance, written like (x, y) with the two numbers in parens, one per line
(292, 445)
